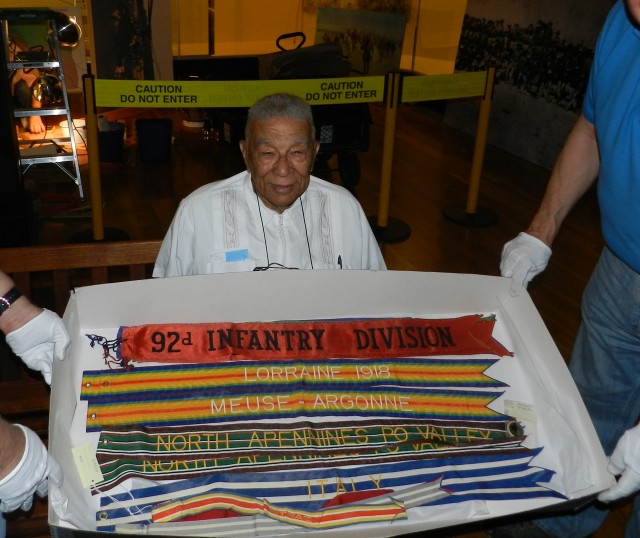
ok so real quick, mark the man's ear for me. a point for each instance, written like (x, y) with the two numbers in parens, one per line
(243, 150)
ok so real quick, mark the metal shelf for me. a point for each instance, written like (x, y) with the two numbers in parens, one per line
(26, 112)
(34, 65)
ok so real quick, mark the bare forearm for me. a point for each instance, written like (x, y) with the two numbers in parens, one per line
(20, 311)
(11, 447)
(574, 172)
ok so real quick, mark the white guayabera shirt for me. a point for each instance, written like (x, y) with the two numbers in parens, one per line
(220, 228)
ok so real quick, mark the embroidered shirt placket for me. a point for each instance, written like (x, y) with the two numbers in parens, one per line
(325, 228)
(229, 211)
(283, 237)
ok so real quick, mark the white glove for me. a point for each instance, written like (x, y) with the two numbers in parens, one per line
(39, 340)
(523, 258)
(624, 461)
(29, 476)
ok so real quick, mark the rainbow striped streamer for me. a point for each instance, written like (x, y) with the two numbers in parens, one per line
(326, 518)
(274, 401)
(424, 372)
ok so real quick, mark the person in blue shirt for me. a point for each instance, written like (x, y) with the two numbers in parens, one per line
(604, 145)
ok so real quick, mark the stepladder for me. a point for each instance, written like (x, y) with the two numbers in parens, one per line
(39, 91)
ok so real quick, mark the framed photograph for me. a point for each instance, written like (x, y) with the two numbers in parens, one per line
(370, 40)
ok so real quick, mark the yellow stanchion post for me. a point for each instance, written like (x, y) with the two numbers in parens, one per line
(98, 231)
(472, 214)
(93, 155)
(481, 143)
(386, 229)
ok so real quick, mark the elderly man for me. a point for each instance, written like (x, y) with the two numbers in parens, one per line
(274, 214)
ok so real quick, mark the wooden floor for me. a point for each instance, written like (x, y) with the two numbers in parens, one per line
(431, 171)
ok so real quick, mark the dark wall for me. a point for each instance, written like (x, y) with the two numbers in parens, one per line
(15, 219)
(9, 160)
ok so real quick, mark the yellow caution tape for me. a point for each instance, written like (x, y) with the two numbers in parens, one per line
(215, 94)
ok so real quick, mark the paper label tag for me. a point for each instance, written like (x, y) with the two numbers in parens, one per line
(87, 465)
(521, 410)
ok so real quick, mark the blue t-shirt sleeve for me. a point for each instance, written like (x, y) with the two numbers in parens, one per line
(587, 105)
(612, 26)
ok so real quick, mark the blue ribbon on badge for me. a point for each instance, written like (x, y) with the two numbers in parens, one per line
(236, 255)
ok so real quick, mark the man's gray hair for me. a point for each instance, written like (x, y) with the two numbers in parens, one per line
(280, 105)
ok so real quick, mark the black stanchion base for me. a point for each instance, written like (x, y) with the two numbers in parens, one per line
(395, 231)
(110, 234)
(482, 216)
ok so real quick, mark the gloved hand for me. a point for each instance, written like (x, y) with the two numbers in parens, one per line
(523, 258)
(624, 461)
(29, 476)
(39, 340)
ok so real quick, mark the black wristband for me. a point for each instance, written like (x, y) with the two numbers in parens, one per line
(9, 298)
